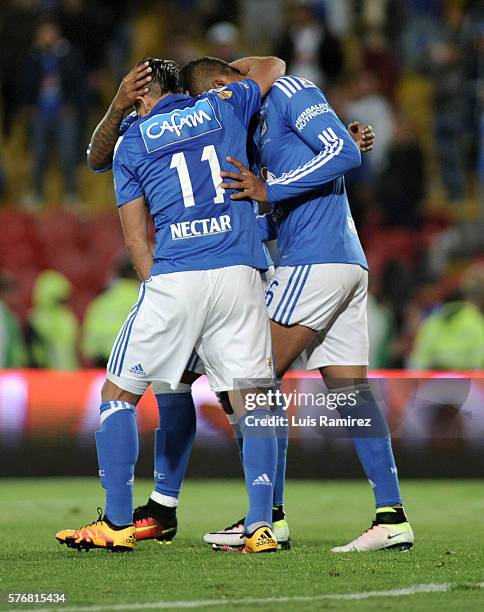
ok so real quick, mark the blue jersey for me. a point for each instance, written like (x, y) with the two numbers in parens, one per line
(173, 158)
(306, 151)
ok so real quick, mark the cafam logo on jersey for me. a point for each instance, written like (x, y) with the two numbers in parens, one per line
(179, 125)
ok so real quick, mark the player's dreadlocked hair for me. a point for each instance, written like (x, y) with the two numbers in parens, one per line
(198, 75)
(165, 76)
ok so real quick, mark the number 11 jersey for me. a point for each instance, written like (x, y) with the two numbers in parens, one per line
(173, 157)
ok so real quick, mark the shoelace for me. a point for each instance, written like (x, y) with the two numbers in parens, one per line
(100, 515)
(236, 524)
(373, 524)
(141, 512)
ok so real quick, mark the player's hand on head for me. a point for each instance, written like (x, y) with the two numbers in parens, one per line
(363, 135)
(133, 85)
(245, 181)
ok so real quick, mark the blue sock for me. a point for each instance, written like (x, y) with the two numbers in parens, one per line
(117, 452)
(259, 457)
(374, 447)
(234, 421)
(173, 444)
(282, 433)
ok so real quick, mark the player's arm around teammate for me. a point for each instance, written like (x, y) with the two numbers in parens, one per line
(263, 70)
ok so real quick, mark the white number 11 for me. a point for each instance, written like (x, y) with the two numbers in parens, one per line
(179, 162)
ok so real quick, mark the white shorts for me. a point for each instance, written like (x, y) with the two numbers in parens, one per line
(219, 313)
(195, 364)
(329, 298)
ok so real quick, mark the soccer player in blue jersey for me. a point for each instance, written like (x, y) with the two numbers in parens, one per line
(201, 288)
(317, 298)
(157, 519)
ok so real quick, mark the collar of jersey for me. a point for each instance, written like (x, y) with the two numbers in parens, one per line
(173, 99)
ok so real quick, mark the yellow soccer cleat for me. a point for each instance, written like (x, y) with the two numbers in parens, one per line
(99, 534)
(261, 541)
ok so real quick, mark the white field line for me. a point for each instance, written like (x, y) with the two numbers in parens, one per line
(203, 603)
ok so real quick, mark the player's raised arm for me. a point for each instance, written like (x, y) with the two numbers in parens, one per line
(134, 219)
(263, 70)
(103, 140)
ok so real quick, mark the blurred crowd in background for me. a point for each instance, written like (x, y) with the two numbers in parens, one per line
(413, 69)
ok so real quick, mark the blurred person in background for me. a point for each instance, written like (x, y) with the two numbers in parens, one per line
(53, 328)
(106, 314)
(443, 63)
(380, 58)
(183, 47)
(17, 22)
(52, 87)
(261, 32)
(309, 48)
(386, 14)
(12, 348)
(402, 185)
(452, 337)
(381, 329)
(224, 41)
(472, 49)
(359, 182)
(82, 24)
(373, 108)
(339, 16)
(87, 27)
(421, 19)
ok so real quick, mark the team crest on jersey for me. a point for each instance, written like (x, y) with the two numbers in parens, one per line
(306, 82)
(178, 125)
(278, 213)
(263, 125)
(225, 94)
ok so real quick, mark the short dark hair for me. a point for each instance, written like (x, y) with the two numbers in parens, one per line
(197, 75)
(165, 76)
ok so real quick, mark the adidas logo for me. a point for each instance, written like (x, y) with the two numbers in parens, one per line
(263, 479)
(265, 538)
(138, 370)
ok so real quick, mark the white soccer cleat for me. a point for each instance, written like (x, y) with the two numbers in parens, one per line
(232, 538)
(380, 537)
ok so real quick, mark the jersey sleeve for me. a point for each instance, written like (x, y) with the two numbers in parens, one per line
(308, 115)
(244, 96)
(126, 184)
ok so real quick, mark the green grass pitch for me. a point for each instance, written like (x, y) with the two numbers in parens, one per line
(446, 516)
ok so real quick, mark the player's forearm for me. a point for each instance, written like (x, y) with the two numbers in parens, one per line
(247, 64)
(334, 161)
(104, 138)
(263, 70)
(141, 256)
